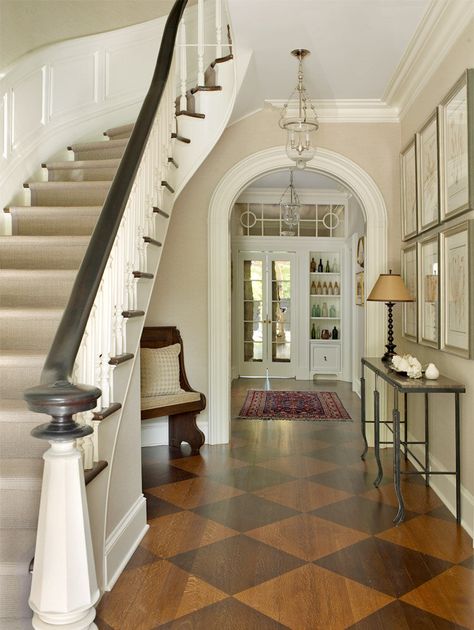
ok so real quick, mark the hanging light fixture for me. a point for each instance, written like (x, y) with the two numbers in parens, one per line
(290, 208)
(301, 123)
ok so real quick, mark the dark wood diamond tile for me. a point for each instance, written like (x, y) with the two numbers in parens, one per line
(338, 454)
(385, 567)
(401, 616)
(237, 563)
(361, 514)
(208, 463)
(160, 473)
(245, 512)
(348, 479)
(156, 507)
(468, 563)
(101, 625)
(443, 513)
(251, 478)
(141, 557)
(416, 498)
(334, 435)
(228, 614)
(254, 455)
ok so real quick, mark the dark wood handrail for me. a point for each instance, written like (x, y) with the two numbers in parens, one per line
(56, 395)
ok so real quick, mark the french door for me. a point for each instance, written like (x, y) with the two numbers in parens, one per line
(265, 314)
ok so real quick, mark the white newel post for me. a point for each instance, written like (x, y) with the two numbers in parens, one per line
(64, 588)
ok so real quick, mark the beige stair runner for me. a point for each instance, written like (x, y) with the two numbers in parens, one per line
(38, 265)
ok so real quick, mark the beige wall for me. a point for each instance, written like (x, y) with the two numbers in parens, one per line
(29, 24)
(180, 295)
(460, 57)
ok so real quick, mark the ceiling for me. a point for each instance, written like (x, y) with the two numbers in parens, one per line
(356, 46)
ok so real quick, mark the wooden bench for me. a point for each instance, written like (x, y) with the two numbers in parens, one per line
(181, 408)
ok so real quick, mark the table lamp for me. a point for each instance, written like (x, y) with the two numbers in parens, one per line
(390, 288)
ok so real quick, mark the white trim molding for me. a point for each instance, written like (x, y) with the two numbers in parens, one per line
(359, 110)
(441, 26)
(228, 190)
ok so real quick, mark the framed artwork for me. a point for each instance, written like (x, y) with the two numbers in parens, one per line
(428, 292)
(456, 293)
(408, 191)
(456, 115)
(409, 309)
(427, 174)
(359, 288)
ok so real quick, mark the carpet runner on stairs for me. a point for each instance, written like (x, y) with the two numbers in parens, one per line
(38, 265)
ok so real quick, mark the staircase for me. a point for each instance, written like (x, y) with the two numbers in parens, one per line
(38, 267)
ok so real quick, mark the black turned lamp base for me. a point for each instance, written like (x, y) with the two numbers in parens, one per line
(387, 357)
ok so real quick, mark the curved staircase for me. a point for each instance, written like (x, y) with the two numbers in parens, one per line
(38, 267)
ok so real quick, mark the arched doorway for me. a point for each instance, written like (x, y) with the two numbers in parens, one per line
(223, 199)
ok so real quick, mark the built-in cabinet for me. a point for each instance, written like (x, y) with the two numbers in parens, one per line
(325, 311)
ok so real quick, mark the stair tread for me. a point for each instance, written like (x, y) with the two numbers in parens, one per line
(17, 547)
(43, 240)
(16, 410)
(42, 209)
(83, 184)
(21, 474)
(113, 131)
(98, 144)
(33, 312)
(68, 274)
(12, 358)
(72, 164)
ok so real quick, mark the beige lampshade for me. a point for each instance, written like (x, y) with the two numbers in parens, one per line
(390, 288)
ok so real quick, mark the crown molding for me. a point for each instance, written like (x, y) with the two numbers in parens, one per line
(441, 26)
(345, 110)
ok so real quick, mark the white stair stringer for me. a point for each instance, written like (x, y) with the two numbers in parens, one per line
(204, 133)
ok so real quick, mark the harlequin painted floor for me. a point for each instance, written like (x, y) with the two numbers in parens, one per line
(284, 529)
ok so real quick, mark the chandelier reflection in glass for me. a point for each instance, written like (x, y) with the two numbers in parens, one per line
(299, 124)
(290, 208)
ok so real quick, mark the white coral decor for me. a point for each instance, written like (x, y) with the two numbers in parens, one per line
(407, 363)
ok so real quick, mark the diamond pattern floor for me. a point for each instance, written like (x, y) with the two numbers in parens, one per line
(284, 529)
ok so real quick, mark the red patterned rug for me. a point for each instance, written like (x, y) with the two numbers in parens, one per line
(278, 405)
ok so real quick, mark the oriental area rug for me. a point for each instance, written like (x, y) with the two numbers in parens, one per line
(281, 405)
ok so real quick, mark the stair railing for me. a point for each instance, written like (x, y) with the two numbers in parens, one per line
(77, 378)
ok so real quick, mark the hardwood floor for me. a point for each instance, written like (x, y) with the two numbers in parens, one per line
(284, 529)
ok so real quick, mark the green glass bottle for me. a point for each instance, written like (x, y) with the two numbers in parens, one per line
(313, 332)
(328, 268)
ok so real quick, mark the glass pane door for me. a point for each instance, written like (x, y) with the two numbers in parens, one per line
(265, 286)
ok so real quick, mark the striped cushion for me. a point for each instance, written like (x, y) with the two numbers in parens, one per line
(160, 371)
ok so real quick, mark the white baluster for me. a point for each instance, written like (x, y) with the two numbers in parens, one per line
(87, 443)
(183, 70)
(200, 45)
(218, 29)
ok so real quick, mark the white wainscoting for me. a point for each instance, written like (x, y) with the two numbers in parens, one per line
(68, 91)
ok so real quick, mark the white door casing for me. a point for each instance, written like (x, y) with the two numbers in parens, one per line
(227, 191)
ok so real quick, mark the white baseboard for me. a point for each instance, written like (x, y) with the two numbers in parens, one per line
(445, 488)
(356, 386)
(123, 541)
(155, 431)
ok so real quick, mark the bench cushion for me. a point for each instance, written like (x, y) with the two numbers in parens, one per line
(160, 371)
(155, 402)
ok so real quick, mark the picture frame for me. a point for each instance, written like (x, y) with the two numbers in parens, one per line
(409, 256)
(429, 292)
(427, 174)
(359, 289)
(456, 118)
(408, 191)
(457, 249)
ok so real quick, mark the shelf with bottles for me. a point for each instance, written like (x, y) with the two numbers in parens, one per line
(329, 263)
(320, 333)
(325, 311)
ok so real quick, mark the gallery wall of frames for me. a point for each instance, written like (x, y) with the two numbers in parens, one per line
(437, 203)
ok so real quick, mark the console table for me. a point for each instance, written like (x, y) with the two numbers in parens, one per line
(404, 385)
